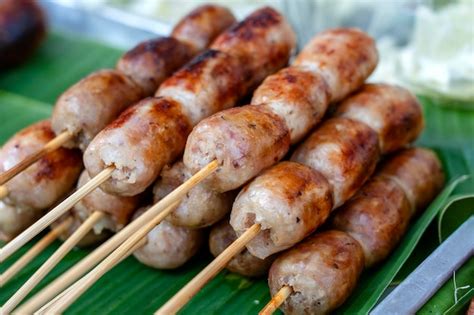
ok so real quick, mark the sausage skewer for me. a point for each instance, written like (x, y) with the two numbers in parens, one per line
(146, 64)
(113, 211)
(265, 28)
(89, 105)
(341, 155)
(366, 230)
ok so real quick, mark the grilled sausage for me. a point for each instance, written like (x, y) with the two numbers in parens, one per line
(234, 138)
(13, 220)
(345, 57)
(131, 133)
(152, 61)
(89, 105)
(195, 86)
(41, 185)
(393, 112)
(344, 151)
(200, 207)
(169, 246)
(299, 96)
(376, 217)
(289, 201)
(139, 143)
(22, 29)
(202, 25)
(411, 169)
(119, 209)
(322, 271)
(263, 43)
(244, 263)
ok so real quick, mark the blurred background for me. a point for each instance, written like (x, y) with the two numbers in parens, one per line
(427, 45)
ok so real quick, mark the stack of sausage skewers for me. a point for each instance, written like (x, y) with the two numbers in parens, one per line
(288, 201)
(214, 80)
(38, 171)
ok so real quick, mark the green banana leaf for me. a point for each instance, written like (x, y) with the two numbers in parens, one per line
(26, 95)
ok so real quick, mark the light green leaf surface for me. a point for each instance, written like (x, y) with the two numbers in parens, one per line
(27, 95)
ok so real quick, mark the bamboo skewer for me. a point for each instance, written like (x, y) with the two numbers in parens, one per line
(276, 301)
(52, 261)
(189, 290)
(47, 308)
(34, 251)
(88, 280)
(3, 191)
(90, 261)
(52, 145)
(55, 213)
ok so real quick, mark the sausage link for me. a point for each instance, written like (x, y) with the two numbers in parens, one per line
(169, 246)
(244, 263)
(202, 25)
(344, 151)
(322, 271)
(42, 184)
(23, 28)
(393, 112)
(14, 219)
(200, 207)
(89, 105)
(289, 201)
(263, 43)
(198, 91)
(299, 96)
(345, 57)
(142, 140)
(243, 140)
(376, 217)
(151, 62)
(411, 169)
(119, 209)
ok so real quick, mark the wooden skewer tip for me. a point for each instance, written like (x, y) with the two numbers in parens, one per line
(276, 300)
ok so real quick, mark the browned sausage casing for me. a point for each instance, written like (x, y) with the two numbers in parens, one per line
(139, 143)
(244, 263)
(169, 246)
(254, 139)
(93, 237)
(376, 217)
(289, 201)
(202, 25)
(89, 105)
(200, 207)
(119, 209)
(152, 61)
(22, 28)
(393, 112)
(211, 82)
(41, 185)
(411, 169)
(299, 96)
(344, 151)
(345, 57)
(263, 42)
(322, 271)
